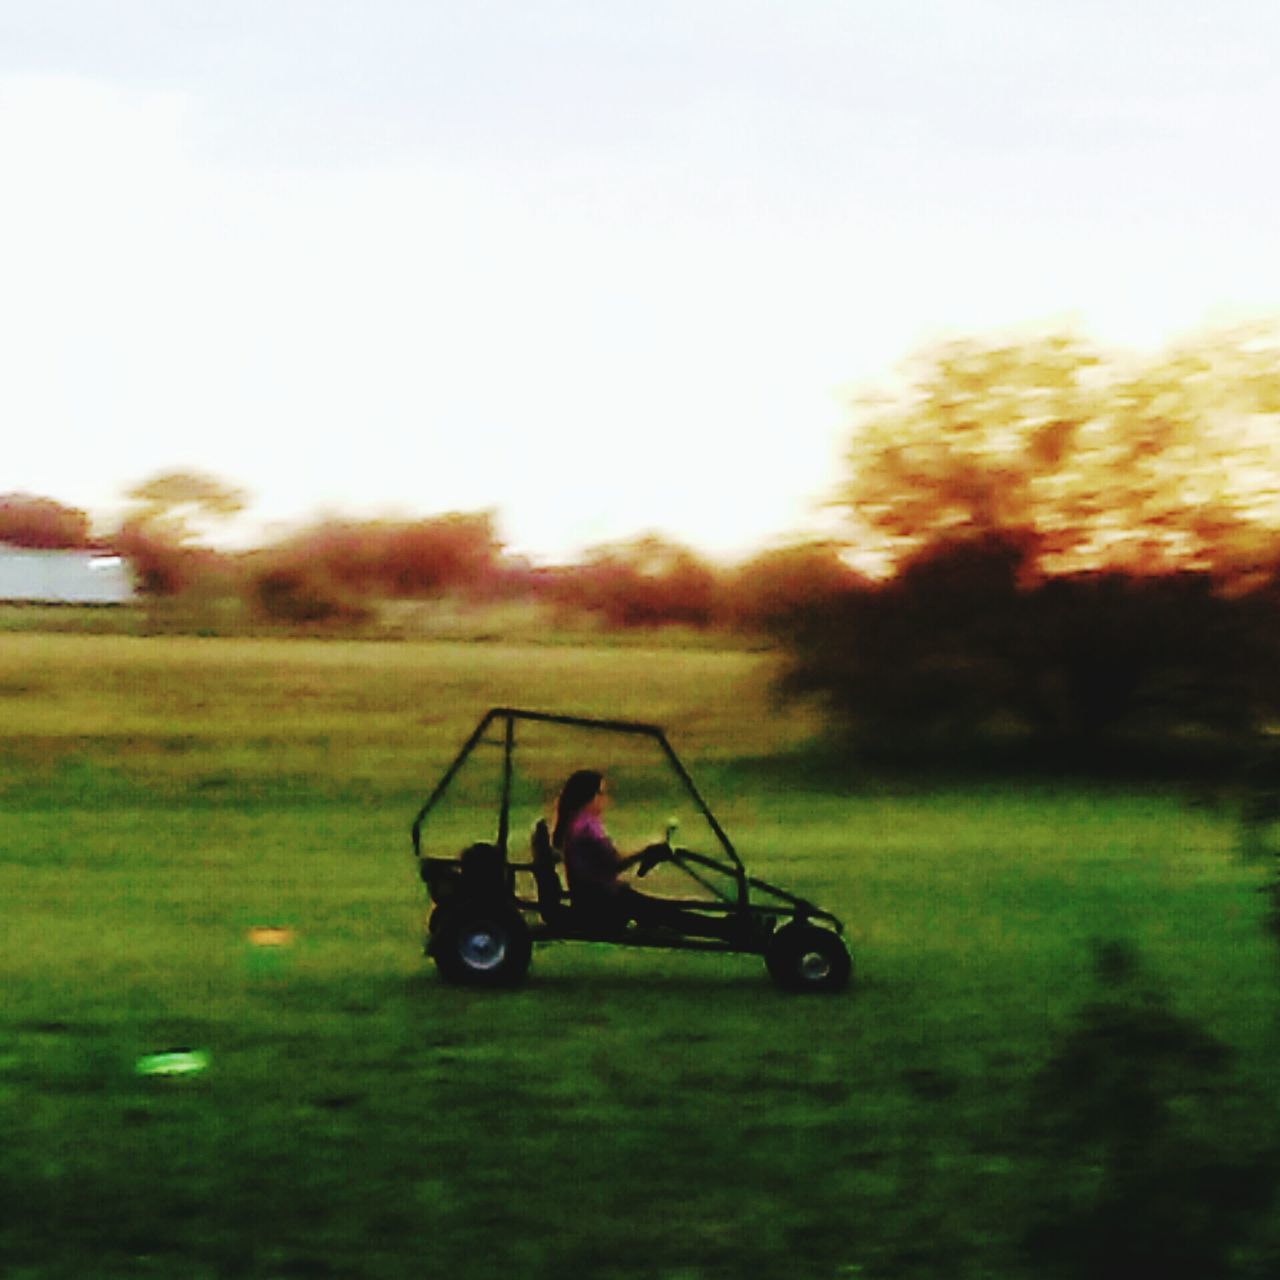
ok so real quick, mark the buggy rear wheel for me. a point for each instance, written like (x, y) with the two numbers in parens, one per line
(480, 946)
(803, 957)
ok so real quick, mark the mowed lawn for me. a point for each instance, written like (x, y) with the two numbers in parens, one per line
(625, 1114)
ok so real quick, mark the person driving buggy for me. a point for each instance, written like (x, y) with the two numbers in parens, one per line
(594, 867)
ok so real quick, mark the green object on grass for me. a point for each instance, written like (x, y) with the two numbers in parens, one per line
(173, 1062)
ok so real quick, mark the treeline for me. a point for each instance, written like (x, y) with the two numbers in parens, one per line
(341, 572)
(969, 643)
(1073, 550)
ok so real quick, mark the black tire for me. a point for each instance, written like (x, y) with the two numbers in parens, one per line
(481, 946)
(803, 957)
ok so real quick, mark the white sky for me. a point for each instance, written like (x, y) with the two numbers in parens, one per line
(604, 266)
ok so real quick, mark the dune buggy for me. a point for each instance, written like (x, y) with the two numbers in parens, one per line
(490, 908)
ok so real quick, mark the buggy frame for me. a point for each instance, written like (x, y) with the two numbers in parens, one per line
(483, 881)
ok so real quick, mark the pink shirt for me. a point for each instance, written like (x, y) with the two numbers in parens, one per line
(590, 860)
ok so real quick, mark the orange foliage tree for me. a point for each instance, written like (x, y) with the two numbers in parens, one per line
(455, 552)
(1093, 461)
(169, 512)
(41, 523)
(768, 589)
(1080, 548)
(647, 581)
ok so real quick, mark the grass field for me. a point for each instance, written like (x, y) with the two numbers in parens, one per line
(625, 1114)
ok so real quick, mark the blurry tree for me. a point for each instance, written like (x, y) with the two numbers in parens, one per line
(299, 595)
(458, 552)
(165, 568)
(768, 589)
(958, 649)
(176, 506)
(168, 513)
(1093, 461)
(645, 582)
(160, 568)
(41, 523)
(1081, 549)
(913, 659)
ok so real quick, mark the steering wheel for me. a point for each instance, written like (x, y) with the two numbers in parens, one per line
(654, 854)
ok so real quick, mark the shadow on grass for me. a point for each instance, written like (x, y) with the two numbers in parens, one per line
(846, 766)
(1158, 1160)
(696, 986)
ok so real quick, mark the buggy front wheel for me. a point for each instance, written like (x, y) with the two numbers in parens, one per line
(803, 957)
(481, 947)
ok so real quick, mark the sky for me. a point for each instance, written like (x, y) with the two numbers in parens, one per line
(605, 267)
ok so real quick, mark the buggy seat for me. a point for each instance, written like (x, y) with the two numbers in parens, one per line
(553, 901)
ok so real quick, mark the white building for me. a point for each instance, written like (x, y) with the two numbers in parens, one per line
(63, 577)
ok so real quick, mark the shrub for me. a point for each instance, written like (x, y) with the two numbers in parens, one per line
(41, 523)
(300, 596)
(1153, 1164)
(964, 644)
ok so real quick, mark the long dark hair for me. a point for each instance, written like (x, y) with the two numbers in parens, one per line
(578, 792)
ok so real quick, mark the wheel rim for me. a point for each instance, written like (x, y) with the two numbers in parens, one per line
(814, 966)
(483, 949)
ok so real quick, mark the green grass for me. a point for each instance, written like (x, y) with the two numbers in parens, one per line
(626, 1114)
(443, 619)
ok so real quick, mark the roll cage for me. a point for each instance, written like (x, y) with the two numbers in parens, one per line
(726, 878)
